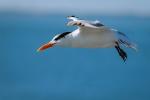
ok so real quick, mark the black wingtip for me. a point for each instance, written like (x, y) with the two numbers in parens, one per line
(73, 16)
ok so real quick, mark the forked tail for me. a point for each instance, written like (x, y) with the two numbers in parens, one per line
(128, 44)
(125, 41)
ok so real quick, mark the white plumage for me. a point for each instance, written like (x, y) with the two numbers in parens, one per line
(91, 34)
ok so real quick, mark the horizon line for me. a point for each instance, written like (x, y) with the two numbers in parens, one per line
(45, 12)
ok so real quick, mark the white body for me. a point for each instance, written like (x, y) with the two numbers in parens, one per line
(93, 35)
(89, 39)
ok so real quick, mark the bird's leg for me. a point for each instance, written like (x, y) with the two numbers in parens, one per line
(121, 52)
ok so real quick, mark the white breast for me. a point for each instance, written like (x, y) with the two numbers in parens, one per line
(93, 38)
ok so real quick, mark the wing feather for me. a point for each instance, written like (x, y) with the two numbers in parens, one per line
(83, 23)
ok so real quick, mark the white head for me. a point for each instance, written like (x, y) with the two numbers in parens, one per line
(60, 39)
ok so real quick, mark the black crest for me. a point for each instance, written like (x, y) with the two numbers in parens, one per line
(62, 35)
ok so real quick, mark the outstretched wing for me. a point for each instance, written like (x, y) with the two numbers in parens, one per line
(75, 21)
(83, 23)
(89, 27)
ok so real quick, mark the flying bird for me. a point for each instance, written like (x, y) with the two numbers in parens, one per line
(91, 34)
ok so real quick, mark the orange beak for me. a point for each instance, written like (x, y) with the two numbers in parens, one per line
(46, 46)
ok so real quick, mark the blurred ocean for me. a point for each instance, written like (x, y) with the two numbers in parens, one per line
(71, 73)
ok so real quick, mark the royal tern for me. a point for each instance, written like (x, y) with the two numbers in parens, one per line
(91, 34)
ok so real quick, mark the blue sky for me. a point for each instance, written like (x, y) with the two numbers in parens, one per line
(140, 7)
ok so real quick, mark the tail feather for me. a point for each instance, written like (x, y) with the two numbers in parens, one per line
(128, 44)
(122, 39)
(125, 41)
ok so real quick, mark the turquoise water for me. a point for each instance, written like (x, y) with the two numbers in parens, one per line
(71, 73)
